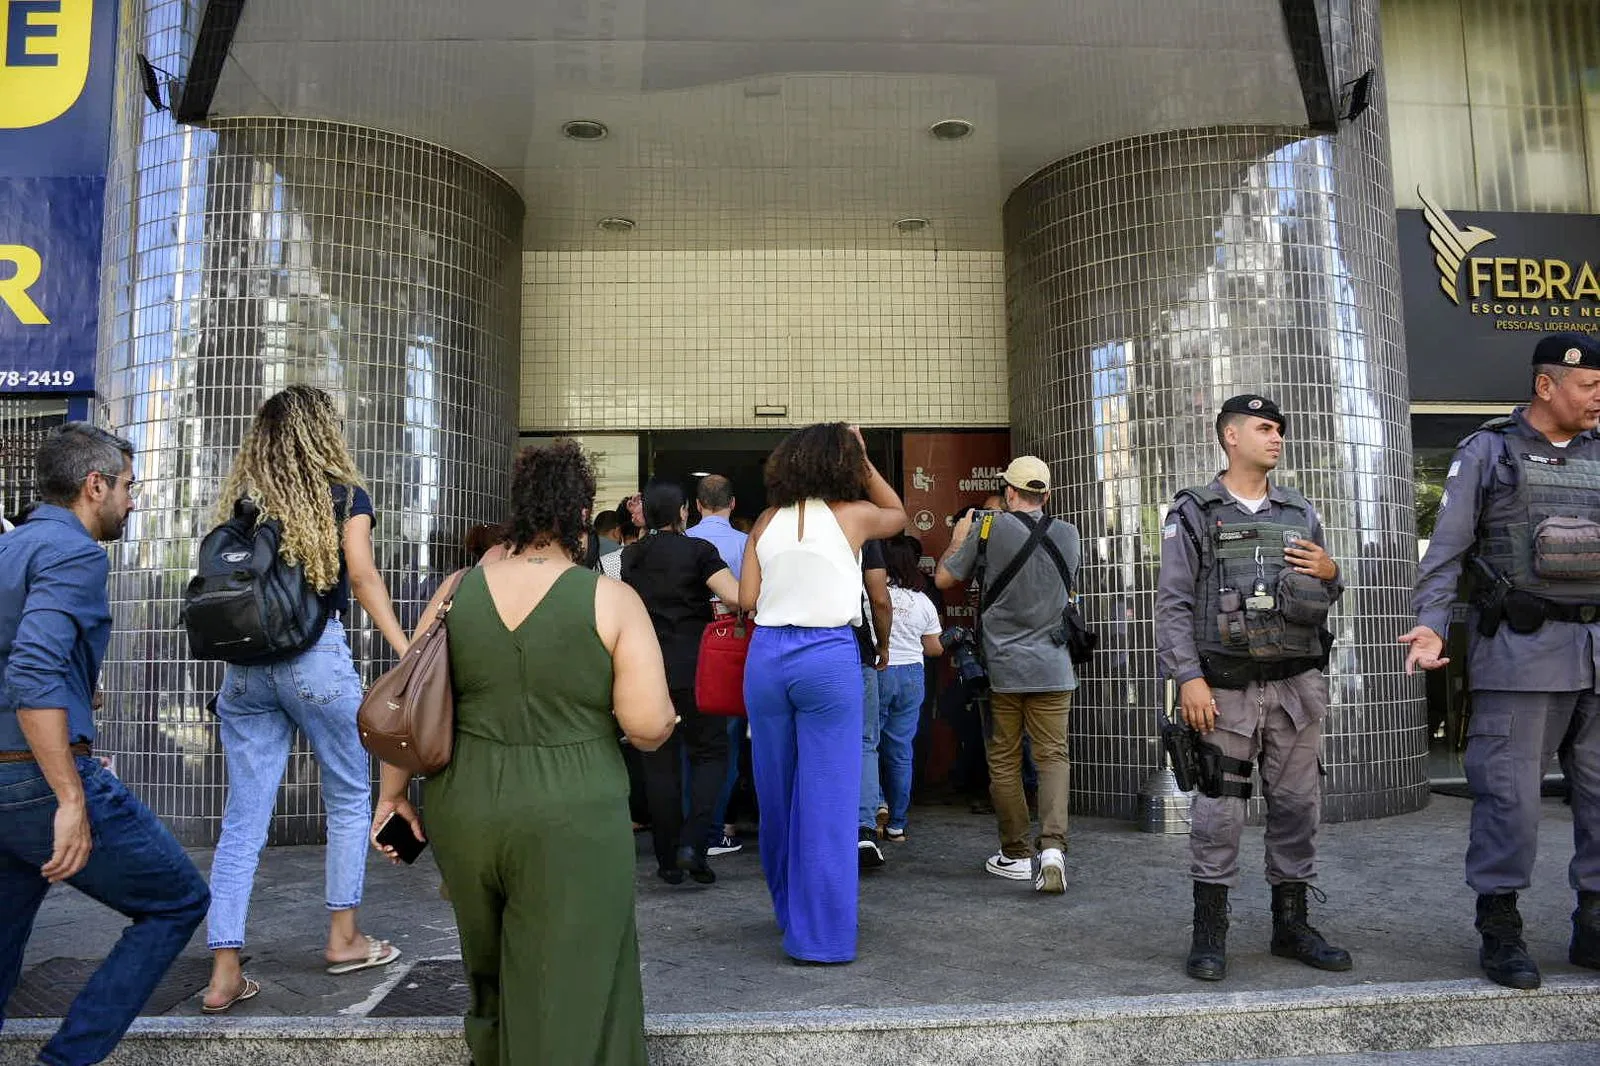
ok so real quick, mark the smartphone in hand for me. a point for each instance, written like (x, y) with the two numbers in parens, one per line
(396, 833)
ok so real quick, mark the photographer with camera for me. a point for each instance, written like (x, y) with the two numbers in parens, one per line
(1245, 590)
(1019, 557)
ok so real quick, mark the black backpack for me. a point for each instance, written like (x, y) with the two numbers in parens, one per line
(245, 605)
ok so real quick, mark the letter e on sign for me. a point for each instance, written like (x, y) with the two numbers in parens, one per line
(44, 59)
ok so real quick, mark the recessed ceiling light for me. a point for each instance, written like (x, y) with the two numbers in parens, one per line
(584, 129)
(616, 224)
(701, 473)
(950, 129)
(911, 225)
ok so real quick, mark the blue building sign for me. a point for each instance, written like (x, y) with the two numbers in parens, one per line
(57, 64)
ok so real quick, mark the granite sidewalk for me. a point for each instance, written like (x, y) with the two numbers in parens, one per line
(936, 930)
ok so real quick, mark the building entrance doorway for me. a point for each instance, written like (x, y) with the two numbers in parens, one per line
(737, 454)
(686, 457)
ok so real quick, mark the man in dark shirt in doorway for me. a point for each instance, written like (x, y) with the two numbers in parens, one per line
(66, 816)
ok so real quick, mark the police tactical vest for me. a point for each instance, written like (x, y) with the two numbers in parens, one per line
(1544, 536)
(1251, 604)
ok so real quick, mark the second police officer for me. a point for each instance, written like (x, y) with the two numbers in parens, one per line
(1521, 516)
(1245, 588)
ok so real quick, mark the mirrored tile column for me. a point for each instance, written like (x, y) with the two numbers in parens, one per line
(255, 254)
(1147, 281)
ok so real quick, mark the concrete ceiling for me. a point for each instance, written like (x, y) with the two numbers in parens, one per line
(764, 122)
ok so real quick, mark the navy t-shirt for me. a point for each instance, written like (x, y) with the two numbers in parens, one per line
(871, 559)
(338, 597)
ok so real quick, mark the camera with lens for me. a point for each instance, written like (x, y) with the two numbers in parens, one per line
(962, 648)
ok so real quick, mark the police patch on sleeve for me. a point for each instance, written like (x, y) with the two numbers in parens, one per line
(1169, 531)
(1455, 468)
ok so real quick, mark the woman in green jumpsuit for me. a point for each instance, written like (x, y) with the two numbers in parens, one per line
(529, 821)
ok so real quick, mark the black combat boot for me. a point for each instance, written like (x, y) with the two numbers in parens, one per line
(1585, 949)
(1292, 935)
(1504, 957)
(1208, 955)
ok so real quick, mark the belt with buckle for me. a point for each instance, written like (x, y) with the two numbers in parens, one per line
(80, 750)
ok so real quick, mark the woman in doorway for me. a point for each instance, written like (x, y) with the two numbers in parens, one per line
(913, 634)
(528, 822)
(676, 576)
(802, 577)
(296, 468)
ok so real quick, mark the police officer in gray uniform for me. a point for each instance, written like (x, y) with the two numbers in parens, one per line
(1246, 586)
(1521, 516)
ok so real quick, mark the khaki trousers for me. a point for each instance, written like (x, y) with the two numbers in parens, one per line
(1281, 723)
(1043, 716)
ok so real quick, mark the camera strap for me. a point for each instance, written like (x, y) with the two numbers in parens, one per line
(987, 595)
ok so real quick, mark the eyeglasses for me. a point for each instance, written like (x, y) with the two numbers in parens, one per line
(134, 484)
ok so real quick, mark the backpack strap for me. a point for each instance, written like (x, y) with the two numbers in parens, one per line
(987, 596)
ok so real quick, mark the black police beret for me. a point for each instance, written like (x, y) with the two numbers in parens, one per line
(1251, 404)
(1567, 349)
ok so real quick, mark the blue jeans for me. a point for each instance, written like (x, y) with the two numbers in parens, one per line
(736, 728)
(803, 688)
(136, 868)
(899, 710)
(871, 789)
(319, 693)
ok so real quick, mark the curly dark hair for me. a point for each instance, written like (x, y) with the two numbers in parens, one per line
(820, 462)
(551, 490)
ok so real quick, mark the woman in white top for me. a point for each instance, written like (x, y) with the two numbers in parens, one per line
(913, 633)
(802, 577)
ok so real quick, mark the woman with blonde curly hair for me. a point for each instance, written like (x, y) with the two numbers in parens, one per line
(296, 468)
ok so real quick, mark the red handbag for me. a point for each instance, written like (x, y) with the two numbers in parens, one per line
(719, 673)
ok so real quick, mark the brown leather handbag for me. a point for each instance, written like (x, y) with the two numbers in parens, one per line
(408, 716)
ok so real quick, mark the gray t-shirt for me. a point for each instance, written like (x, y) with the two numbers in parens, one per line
(1016, 627)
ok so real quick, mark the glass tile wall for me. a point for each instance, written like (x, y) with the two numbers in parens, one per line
(1147, 281)
(1495, 104)
(258, 253)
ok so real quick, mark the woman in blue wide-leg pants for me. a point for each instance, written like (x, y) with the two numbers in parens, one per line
(803, 691)
(802, 681)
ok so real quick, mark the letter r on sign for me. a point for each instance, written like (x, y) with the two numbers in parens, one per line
(14, 290)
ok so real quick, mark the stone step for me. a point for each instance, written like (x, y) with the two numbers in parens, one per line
(1210, 1026)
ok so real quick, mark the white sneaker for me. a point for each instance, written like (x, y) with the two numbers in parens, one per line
(1011, 869)
(1052, 875)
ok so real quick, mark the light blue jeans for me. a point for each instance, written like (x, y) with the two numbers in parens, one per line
(871, 791)
(317, 692)
(900, 691)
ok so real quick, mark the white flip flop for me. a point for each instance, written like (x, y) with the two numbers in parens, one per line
(379, 953)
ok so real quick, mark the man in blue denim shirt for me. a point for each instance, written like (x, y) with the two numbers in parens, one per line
(715, 497)
(64, 816)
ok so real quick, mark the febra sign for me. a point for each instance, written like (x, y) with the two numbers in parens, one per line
(1481, 286)
(1503, 277)
(56, 59)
